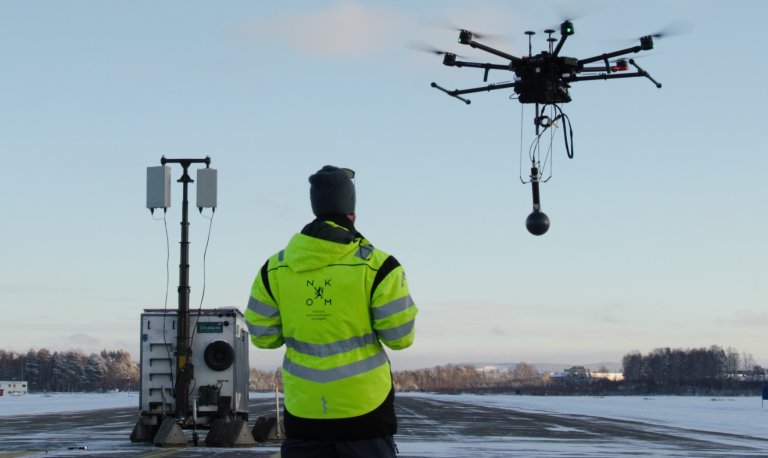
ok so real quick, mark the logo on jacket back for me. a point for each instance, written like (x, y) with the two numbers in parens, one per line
(318, 292)
(318, 301)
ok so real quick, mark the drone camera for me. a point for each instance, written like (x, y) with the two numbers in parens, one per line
(566, 28)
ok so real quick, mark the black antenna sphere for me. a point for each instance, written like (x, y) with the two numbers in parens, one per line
(537, 222)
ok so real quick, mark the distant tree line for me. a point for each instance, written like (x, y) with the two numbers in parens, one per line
(467, 378)
(662, 371)
(70, 371)
(265, 380)
(692, 371)
(696, 371)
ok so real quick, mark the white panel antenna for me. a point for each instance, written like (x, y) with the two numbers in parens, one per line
(158, 187)
(207, 187)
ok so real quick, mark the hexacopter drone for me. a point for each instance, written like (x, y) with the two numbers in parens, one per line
(544, 79)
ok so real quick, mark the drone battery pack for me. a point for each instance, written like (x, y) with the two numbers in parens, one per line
(158, 187)
(207, 187)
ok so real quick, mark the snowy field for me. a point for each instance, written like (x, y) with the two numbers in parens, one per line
(586, 426)
(38, 403)
(739, 415)
(432, 425)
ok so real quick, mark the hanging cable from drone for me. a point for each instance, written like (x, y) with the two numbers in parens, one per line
(544, 79)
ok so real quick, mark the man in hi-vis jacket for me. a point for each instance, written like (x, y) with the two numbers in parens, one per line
(333, 300)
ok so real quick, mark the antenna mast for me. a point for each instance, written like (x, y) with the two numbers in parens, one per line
(184, 370)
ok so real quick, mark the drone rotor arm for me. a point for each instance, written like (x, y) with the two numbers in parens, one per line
(566, 30)
(560, 44)
(488, 88)
(606, 76)
(642, 72)
(610, 55)
(514, 61)
(451, 93)
(608, 67)
(479, 65)
(594, 69)
(459, 92)
(486, 67)
(602, 76)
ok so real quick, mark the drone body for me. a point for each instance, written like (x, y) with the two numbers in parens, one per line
(544, 79)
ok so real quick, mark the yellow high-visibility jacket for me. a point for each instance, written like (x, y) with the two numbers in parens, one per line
(332, 299)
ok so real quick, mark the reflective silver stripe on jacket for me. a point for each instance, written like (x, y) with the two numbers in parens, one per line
(390, 308)
(264, 331)
(263, 309)
(396, 333)
(333, 348)
(337, 373)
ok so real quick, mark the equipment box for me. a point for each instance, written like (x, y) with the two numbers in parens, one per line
(219, 355)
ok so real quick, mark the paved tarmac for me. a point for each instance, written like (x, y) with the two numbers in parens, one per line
(428, 427)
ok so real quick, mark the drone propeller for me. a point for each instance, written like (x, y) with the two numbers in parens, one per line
(556, 28)
(674, 28)
(574, 11)
(445, 24)
(482, 35)
(423, 47)
(670, 30)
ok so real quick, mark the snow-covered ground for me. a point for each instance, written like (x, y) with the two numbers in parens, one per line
(442, 425)
(733, 415)
(37, 403)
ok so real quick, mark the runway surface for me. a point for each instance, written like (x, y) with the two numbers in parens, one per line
(428, 427)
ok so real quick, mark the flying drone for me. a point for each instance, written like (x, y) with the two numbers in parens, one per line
(544, 79)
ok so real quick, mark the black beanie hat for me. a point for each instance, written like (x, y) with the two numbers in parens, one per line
(332, 191)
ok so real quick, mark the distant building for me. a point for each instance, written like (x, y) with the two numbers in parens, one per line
(612, 376)
(489, 370)
(578, 373)
(582, 374)
(12, 388)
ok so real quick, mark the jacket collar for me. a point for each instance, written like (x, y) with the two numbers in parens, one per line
(333, 228)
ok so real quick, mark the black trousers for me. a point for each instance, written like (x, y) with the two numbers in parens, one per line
(380, 447)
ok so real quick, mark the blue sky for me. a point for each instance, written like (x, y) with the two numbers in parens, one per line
(658, 223)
